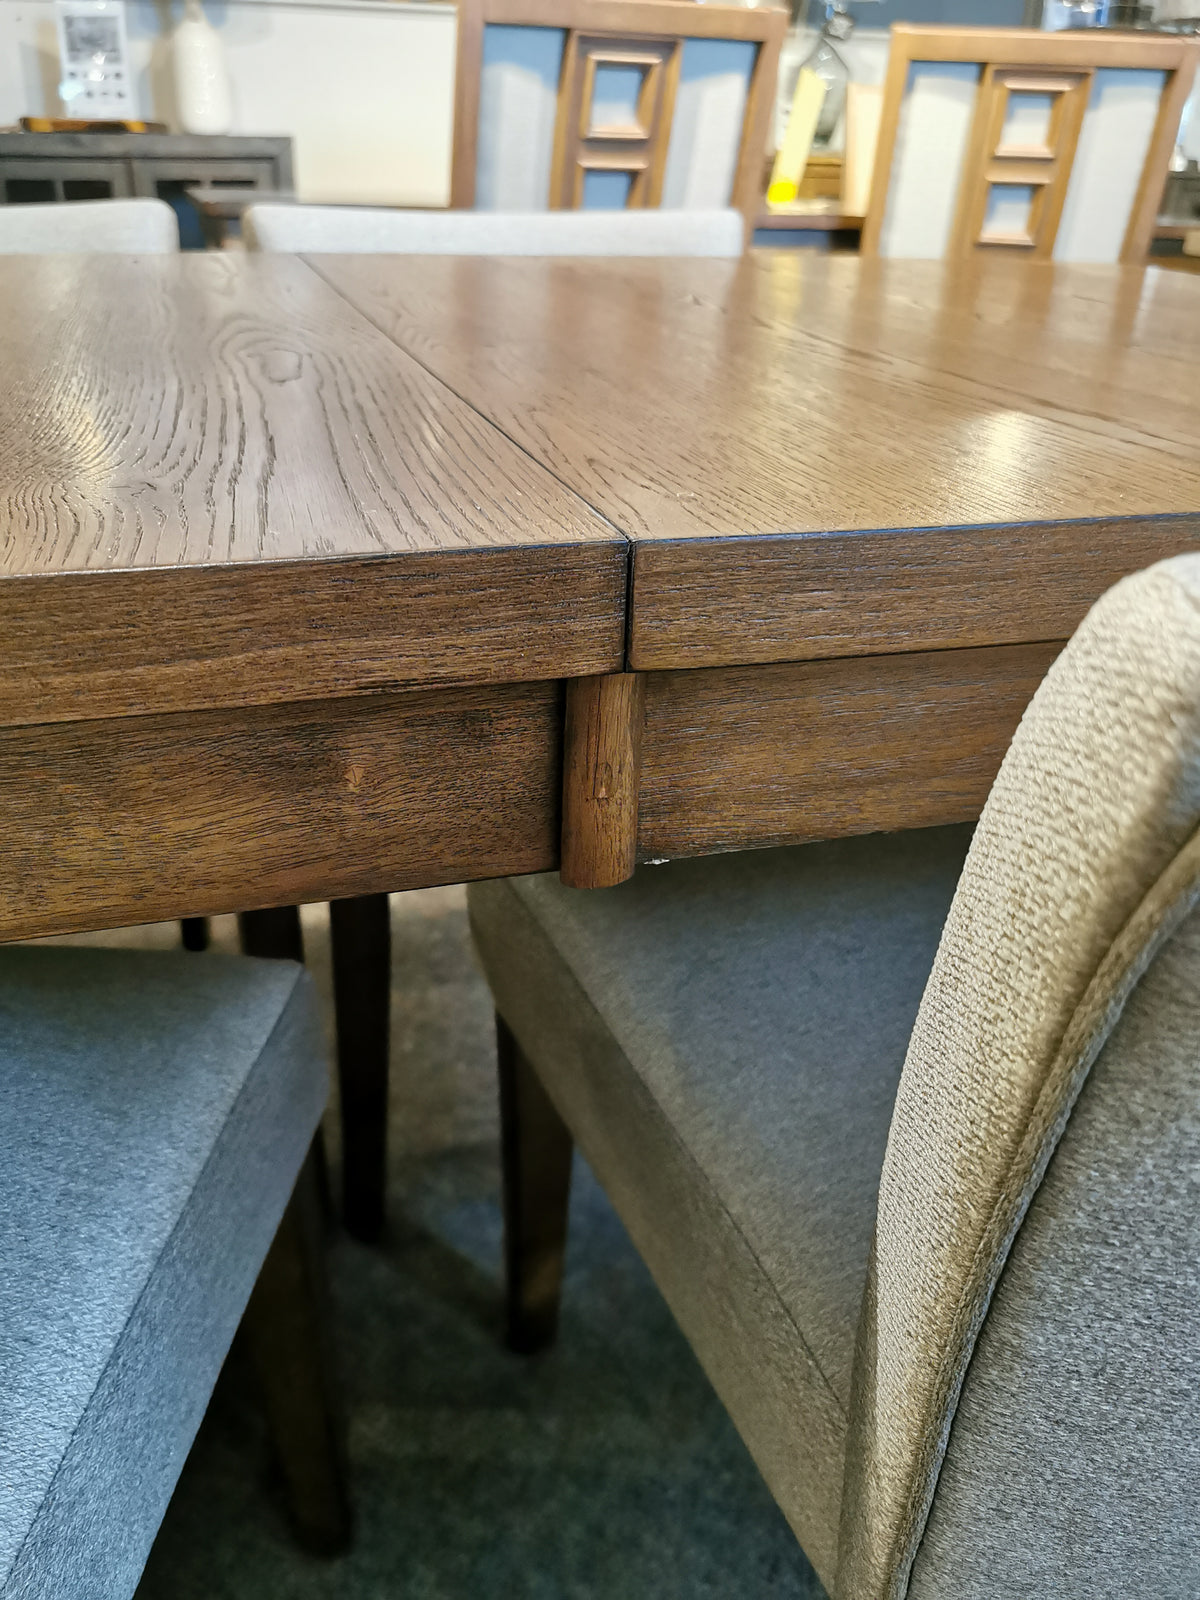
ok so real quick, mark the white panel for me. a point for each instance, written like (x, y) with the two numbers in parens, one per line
(615, 93)
(1007, 210)
(931, 142)
(518, 105)
(605, 191)
(1027, 120)
(706, 133)
(366, 90)
(1108, 164)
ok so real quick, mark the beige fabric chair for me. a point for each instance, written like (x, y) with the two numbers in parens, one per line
(913, 1152)
(110, 227)
(492, 233)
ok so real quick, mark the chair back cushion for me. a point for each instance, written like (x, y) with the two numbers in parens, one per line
(90, 227)
(354, 230)
(1084, 862)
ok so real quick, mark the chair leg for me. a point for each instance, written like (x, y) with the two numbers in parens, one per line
(194, 932)
(361, 939)
(274, 933)
(285, 1327)
(535, 1151)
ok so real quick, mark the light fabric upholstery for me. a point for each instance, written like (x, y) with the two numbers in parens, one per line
(1098, 793)
(89, 227)
(1073, 1467)
(332, 229)
(157, 1109)
(1024, 1411)
(687, 1024)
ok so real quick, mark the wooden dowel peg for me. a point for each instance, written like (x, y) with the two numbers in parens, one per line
(601, 767)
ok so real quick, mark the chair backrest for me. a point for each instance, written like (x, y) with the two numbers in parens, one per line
(84, 227)
(607, 104)
(493, 233)
(1045, 145)
(1035, 1278)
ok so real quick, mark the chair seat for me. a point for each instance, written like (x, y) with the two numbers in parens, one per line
(156, 1110)
(724, 1038)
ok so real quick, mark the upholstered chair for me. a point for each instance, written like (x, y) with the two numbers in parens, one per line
(494, 233)
(907, 1128)
(105, 227)
(154, 1186)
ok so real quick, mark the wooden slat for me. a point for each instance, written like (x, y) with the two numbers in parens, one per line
(140, 818)
(682, 18)
(1139, 230)
(703, 603)
(182, 639)
(1031, 47)
(741, 757)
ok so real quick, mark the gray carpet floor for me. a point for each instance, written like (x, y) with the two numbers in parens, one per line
(604, 1469)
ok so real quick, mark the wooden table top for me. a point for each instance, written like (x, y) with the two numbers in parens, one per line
(820, 456)
(198, 456)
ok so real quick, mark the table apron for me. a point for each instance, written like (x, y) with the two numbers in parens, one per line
(135, 819)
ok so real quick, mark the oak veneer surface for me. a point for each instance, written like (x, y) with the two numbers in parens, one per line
(221, 485)
(734, 758)
(134, 819)
(820, 456)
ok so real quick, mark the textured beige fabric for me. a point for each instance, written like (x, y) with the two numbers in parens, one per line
(1080, 866)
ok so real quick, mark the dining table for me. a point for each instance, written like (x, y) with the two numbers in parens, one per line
(330, 576)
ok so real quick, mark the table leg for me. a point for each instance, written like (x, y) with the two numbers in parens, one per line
(360, 931)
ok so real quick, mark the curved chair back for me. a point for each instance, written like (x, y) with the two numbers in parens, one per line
(1047, 1127)
(88, 227)
(1042, 145)
(491, 233)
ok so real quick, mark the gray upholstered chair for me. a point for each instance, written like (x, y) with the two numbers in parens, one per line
(494, 233)
(907, 1128)
(123, 227)
(157, 1111)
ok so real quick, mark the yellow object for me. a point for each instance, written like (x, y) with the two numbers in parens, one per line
(797, 141)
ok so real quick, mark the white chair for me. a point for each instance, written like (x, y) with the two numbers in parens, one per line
(1046, 146)
(90, 227)
(494, 233)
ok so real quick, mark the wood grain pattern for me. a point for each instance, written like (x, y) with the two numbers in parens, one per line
(738, 758)
(139, 818)
(601, 760)
(722, 603)
(193, 449)
(189, 638)
(707, 404)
